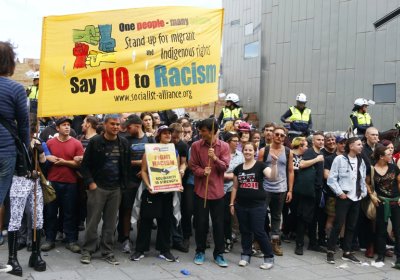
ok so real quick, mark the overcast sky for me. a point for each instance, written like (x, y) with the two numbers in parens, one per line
(21, 20)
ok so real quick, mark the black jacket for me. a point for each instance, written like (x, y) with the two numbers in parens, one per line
(94, 160)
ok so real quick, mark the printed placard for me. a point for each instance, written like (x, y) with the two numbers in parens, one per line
(163, 169)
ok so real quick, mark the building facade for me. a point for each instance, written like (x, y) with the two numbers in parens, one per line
(327, 49)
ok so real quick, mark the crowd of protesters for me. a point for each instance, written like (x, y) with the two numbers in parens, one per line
(259, 187)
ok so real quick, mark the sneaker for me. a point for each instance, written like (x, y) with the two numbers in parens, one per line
(199, 258)
(257, 253)
(316, 248)
(111, 259)
(126, 246)
(73, 247)
(350, 257)
(228, 246)
(244, 260)
(180, 247)
(47, 246)
(59, 236)
(5, 267)
(137, 256)
(86, 258)
(220, 261)
(298, 250)
(330, 257)
(167, 256)
(268, 263)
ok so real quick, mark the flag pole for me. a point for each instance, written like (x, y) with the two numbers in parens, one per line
(209, 159)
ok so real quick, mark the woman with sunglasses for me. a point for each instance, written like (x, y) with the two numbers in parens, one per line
(248, 200)
(386, 198)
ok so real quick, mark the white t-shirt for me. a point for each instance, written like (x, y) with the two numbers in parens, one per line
(352, 194)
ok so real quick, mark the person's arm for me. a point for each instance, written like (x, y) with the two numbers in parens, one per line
(307, 163)
(310, 123)
(182, 165)
(290, 178)
(333, 179)
(22, 115)
(272, 172)
(261, 154)
(220, 117)
(398, 185)
(195, 162)
(233, 195)
(222, 163)
(145, 174)
(374, 198)
(326, 174)
(285, 116)
(86, 167)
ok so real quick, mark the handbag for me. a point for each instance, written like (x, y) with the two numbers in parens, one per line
(23, 164)
(304, 183)
(49, 193)
(366, 204)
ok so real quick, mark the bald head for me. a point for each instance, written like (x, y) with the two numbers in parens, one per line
(372, 136)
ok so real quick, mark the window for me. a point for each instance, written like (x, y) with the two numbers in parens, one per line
(248, 29)
(385, 93)
(251, 50)
(235, 22)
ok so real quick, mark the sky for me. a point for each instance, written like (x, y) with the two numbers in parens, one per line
(21, 20)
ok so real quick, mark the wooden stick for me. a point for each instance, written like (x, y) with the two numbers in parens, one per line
(35, 158)
(209, 159)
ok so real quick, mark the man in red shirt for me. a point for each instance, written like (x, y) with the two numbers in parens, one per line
(209, 160)
(62, 175)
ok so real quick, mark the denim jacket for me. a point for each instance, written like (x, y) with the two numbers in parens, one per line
(339, 179)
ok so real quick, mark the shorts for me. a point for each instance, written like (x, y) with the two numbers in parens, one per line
(330, 206)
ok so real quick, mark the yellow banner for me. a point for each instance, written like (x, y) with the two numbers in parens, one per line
(132, 60)
(163, 170)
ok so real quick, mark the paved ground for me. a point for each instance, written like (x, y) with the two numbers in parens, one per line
(62, 264)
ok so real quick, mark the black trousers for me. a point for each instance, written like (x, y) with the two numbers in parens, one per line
(163, 226)
(227, 217)
(215, 208)
(381, 229)
(347, 211)
(187, 210)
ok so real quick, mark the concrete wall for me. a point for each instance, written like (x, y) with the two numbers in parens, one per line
(327, 49)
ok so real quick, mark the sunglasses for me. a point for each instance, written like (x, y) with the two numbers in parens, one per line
(280, 135)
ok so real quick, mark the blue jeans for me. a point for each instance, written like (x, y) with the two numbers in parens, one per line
(67, 197)
(7, 166)
(251, 221)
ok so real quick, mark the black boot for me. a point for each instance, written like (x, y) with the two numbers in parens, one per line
(35, 259)
(12, 253)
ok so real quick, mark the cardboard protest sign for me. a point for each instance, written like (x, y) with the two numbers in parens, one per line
(163, 169)
(132, 60)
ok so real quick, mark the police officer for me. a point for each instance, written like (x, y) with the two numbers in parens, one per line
(360, 118)
(232, 110)
(33, 95)
(299, 117)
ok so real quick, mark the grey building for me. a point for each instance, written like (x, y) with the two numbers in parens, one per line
(328, 49)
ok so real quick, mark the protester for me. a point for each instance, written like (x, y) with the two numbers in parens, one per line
(26, 191)
(385, 180)
(136, 141)
(347, 181)
(148, 124)
(279, 190)
(105, 170)
(209, 160)
(62, 175)
(157, 206)
(248, 200)
(14, 111)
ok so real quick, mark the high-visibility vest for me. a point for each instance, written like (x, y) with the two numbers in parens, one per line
(231, 114)
(362, 119)
(297, 116)
(34, 94)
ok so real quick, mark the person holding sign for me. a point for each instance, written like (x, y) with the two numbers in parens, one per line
(155, 206)
(248, 199)
(210, 158)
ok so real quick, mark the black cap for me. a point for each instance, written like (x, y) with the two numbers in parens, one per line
(132, 119)
(63, 120)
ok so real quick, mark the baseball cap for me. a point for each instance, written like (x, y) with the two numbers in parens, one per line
(164, 128)
(132, 119)
(340, 139)
(63, 120)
